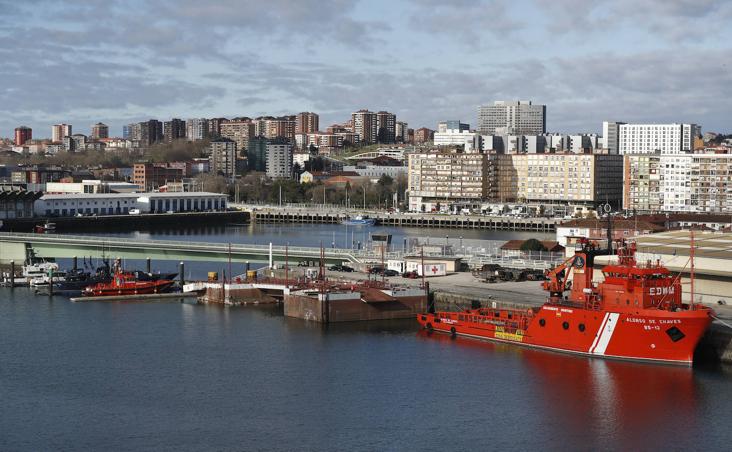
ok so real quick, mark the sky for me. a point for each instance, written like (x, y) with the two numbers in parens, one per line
(115, 61)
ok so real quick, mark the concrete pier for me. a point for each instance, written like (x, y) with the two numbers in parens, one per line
(418, 220)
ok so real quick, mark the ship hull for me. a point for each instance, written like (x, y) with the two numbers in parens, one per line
(138, 288)
(661, 336)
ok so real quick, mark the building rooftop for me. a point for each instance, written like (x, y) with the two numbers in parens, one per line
(132, 195)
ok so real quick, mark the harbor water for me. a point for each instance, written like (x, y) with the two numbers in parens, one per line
(172, 376)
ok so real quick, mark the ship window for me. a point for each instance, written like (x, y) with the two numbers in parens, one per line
(581, 327)
(675, 334)
(510, 316)
(565, 325)
(496, 314)
(542, 322)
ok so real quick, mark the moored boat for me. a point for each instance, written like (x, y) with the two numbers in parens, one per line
(636, 313)
(359, 220)
(126, 283)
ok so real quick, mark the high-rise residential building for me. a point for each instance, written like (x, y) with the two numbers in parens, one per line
(100, 130)
(238, 130)
(214, 126)
(365, 125)
(175, 129)
(282, 127)
(423, 135)
(439, 179)
(59, 131)
(279, 159)
(257, 154)
(127, 131)
(568, 178)
(512, 118)
(669, 183)
(196, 129)
(23, 134)
(452, 124)
(649, 138)
(307, 122)
(386, 127)
(150, 132)
(402, 132)
(222, 157)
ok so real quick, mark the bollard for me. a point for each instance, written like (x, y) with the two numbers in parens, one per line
(148, 265)
(50, 283)
(74, 263)
(12, 274)
(181, 270)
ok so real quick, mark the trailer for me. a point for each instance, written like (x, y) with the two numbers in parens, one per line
(428, 269)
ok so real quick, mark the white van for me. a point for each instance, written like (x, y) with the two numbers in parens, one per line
(134, 212)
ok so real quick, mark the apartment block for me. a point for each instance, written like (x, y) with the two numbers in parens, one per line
(365, 125)
(99, 131)
(386, 127)
(279, 160)
(512, 118)
(423, 135)
(197, 129)
(239, 131)
(307, 122)
(453, 137)
(561, 178)
(222, 157)
(649, 138)
(175, 129)
(59, 131)
(678, 183)
(438, 179)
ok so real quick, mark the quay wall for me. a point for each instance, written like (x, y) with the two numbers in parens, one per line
(128, 222)
(408, 220)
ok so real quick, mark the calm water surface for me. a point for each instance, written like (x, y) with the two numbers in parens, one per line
(86, 376)
(113, 376)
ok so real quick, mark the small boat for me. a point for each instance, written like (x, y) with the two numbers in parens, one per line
(44, 280)
(46, 228)
(636, 313)
(359, 220)
(125, 283)
(76, 281)
(36, 268)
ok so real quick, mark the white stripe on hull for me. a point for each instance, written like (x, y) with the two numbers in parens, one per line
(599, 330)
(606, 334)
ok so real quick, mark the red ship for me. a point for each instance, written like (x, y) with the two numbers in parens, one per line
(636, 313)
(126, 283)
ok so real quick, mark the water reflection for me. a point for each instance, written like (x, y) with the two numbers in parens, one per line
(635, 404)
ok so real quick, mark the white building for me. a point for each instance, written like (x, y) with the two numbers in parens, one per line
(649, 138)
(279, 160)
(63, 205)
(512, 118)
(455, 137)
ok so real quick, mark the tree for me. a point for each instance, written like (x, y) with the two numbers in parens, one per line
(532, 245)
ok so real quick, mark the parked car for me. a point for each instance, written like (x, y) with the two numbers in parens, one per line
(410, 275)
(376, 270)
(340, 268)
(134, 212)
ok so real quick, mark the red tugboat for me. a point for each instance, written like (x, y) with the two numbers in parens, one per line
(126, 283)
(636, 313)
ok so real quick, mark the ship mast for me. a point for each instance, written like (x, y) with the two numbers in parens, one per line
(691, 266)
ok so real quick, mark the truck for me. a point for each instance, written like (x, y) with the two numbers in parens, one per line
(397, 265)
(428, 269)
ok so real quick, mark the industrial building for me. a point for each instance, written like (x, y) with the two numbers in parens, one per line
(73, 204)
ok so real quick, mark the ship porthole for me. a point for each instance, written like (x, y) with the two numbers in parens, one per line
(565, 325)
(424, 318)
(581, 327)
(542, 322)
